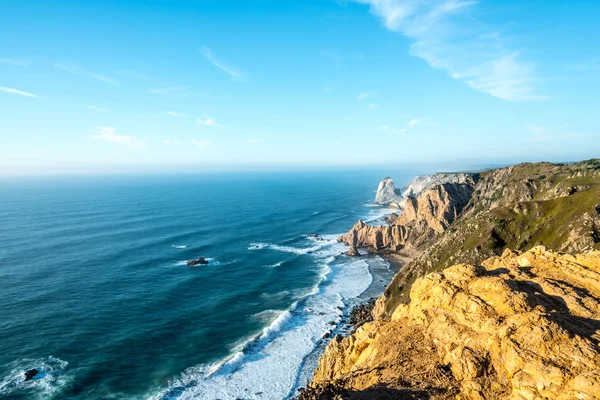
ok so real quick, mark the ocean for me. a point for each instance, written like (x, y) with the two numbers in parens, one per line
(96, 293)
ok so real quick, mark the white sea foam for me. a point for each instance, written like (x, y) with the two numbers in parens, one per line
(50, 381)
(179, 246)
(271, 362)
(290, 249)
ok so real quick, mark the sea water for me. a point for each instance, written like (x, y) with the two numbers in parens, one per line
(96, 294)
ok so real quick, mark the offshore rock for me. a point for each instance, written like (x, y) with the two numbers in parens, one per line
(518, 326)
(387, 194)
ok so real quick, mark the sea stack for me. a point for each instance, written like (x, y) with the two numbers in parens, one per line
(387, 194)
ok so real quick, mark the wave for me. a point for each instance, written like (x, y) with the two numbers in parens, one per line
(50, 381)
(179, 246)
(279, 352)
(290, 249)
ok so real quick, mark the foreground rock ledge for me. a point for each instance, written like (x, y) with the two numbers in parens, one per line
(520, 326)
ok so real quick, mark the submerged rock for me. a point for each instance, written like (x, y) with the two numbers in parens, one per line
(198, 261)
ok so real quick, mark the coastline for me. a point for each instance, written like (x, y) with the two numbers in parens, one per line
(381, 278)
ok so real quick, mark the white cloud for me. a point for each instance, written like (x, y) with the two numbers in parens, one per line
(208, 122)
(363, 96)
(108, 135)
(171, 142)
(175, 114)
(393, 131)
(447, 37)
(74, 69)
(200, 143)
(373, 106)
(208, 55)
(15, 61)
(96, 108)
(400, 131)
(169, 91)
(19, 92)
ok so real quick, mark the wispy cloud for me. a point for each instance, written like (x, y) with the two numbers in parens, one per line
(15, 61)
(19, 92)
(401, 131)
(169, 91)
(170, 142)
(200, 143)
(96, 108)
(393, 131)
(74, 69)
(175, 114)
(448, 37)
(108, 135)
(373, 106)
(209, 122)
(364, 96)
(208, 55)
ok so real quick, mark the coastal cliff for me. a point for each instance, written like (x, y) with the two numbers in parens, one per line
(484, 309)
(518, 326)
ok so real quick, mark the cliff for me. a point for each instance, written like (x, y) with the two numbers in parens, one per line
(518, 326)
(518, 207)
(423, 217)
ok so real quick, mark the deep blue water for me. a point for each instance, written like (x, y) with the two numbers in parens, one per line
(94, 291)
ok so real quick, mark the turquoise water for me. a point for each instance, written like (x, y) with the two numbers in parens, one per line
(96, 293)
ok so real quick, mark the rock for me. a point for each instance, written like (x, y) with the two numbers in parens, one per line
(327, 335)
(424, 182)
(29, 374)
(387, 193)
(198, 261)
(425, 216)
(353, 252)
(518, 326)
(391, 218)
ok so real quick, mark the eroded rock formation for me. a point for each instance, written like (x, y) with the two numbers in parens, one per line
(518, 326)
(423, 217)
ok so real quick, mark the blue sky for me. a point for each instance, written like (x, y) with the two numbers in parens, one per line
(100, 86)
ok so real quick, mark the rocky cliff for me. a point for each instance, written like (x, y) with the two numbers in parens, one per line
(423, 217)
(517, 326)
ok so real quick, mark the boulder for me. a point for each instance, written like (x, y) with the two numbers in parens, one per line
(29, 374)
(197, 261)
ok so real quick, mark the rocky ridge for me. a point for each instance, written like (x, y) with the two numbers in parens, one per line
(518, 326)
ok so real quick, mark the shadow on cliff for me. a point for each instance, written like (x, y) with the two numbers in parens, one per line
(378, 392)
(387, 393)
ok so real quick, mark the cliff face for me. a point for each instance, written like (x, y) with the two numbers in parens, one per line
(423, 217)
(518, 326)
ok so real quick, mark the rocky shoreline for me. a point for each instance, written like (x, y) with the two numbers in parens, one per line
(467, 316)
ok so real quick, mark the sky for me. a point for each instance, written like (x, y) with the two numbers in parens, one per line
(195, 85)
